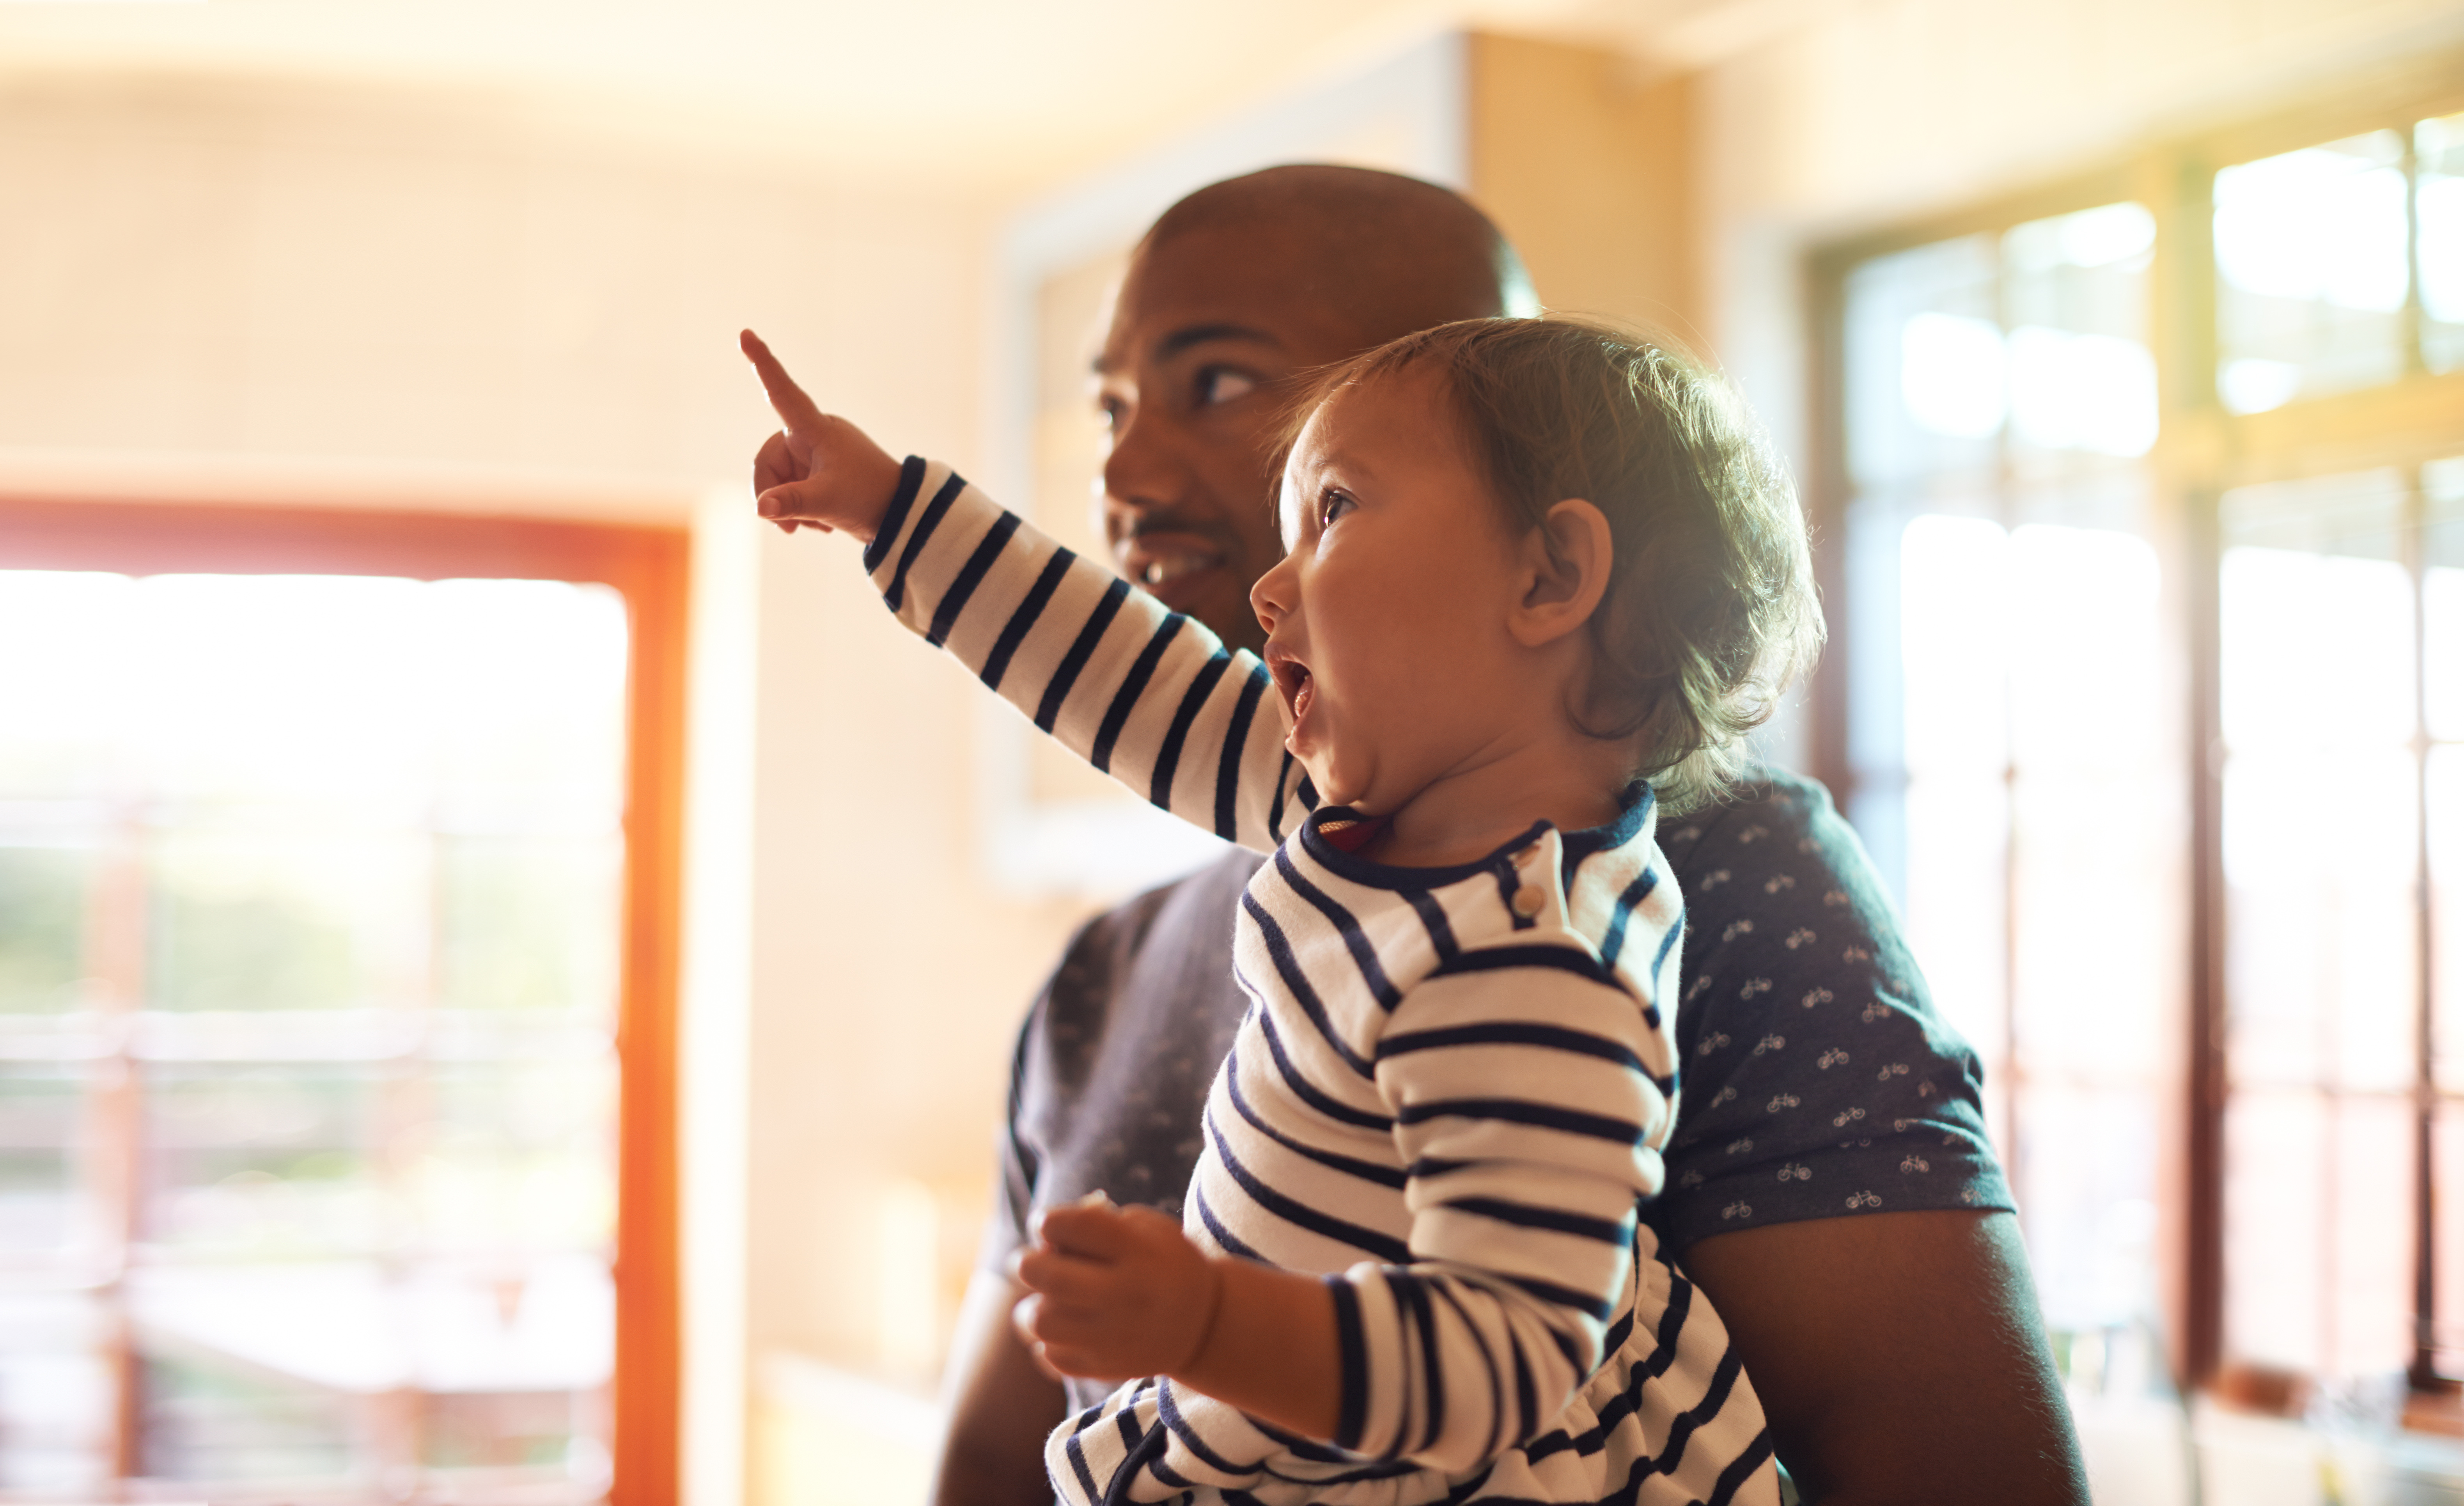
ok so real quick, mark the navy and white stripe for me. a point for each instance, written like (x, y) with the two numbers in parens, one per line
(1134, 688)
(1449, 1110)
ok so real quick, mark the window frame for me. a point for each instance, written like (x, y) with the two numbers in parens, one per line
(2202, 451)
(649, 566)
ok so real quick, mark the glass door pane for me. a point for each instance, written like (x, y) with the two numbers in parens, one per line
(2312, 272)
(2322, 779)
(310, 897)
(2442, 603)
(2438, 209)
(2017, 734)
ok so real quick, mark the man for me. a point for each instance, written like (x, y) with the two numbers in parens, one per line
(1830, 1185)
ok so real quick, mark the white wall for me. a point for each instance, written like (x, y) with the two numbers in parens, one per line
(376, 277)
(238, 291)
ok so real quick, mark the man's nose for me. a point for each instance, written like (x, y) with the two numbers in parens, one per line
(1140, 471)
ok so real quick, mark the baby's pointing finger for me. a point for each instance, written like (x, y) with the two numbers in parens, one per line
(797, 411)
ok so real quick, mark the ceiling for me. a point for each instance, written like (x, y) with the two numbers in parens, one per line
(996, 93)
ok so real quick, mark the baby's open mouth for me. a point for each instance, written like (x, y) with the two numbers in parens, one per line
(1292, 679)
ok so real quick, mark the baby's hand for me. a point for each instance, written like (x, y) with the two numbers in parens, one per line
(821, 471)
(1118, 1292)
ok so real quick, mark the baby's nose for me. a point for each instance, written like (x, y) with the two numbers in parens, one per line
(1267, 595)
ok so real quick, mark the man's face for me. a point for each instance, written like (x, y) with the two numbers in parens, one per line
(1192, 376)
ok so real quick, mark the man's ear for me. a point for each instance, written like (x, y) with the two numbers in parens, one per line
(1566, 560)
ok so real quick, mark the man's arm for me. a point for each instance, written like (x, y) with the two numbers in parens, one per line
(1001, 1406)
(1899, 1357)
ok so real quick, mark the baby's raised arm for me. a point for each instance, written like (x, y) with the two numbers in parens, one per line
(1141, 692)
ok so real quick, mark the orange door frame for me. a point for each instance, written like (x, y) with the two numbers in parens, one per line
(650, 567)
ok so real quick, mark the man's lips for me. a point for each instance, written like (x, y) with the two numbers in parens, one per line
(1160, 561)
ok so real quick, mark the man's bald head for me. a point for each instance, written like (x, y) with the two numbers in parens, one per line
(1378, 255)
(1240, 290)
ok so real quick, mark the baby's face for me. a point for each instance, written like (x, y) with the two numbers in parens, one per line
(1386, 618)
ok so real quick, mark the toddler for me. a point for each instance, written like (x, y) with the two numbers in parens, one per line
(1541, 578)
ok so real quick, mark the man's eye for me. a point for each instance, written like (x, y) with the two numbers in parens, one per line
(1111, 408)
(1222, 384)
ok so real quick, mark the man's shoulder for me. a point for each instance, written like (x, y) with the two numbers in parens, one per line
(1155, 950)
(1163, 914)
(1820, 1079)
(1115, 1059)
(1773, 810)
(1772, 867)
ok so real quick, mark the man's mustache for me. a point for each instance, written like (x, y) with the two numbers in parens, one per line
(1148, 521)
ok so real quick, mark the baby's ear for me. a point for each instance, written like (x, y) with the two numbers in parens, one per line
(1566, 560)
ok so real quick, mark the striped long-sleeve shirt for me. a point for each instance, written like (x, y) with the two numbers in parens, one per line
(1448, 1098)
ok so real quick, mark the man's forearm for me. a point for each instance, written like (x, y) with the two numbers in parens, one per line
(1000, 1405)
(1900, 1358)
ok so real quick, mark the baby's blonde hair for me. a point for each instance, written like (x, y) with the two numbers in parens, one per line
(1711, 611)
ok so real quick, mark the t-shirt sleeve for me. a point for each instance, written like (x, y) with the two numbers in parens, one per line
(1819, 1079)
(1141, 692)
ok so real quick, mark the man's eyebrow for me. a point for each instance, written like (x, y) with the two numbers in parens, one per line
(1180, 340)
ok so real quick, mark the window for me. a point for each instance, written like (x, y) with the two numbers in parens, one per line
(2143, 513)
(2336, 614)
(332, 1059)
(2017, 751)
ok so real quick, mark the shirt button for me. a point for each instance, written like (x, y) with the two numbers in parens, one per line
(1528, 901)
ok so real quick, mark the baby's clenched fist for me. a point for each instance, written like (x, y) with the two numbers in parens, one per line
(1119, 1293)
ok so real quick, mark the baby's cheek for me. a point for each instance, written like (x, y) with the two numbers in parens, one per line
(1372, 737)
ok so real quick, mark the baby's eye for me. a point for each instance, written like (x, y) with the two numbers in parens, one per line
(1332, 506)
(1222, 384)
